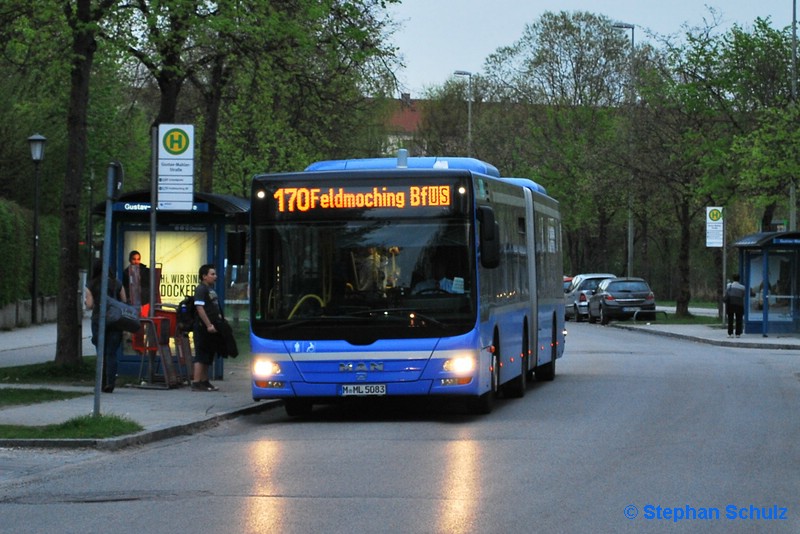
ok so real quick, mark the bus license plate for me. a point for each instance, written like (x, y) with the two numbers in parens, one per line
(363, 390)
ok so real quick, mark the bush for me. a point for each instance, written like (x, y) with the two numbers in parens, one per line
(16, 234)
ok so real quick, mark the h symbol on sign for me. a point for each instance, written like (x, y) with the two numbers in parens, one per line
(175, 141)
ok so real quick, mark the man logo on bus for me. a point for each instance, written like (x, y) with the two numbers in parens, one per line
(176, 141)
(349, 367)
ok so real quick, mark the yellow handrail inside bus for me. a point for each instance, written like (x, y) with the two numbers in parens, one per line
(303, 299)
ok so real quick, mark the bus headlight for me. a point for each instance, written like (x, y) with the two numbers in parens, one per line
(265, 368)
(461, 365)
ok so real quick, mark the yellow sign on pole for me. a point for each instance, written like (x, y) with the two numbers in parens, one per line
(715, 227)
(175, 167)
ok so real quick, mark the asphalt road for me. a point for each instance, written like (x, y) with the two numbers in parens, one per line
(637, 433)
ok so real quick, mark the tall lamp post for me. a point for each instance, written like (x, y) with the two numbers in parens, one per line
(36, 143)
(468, 74)
(793, 186)
(632, 28)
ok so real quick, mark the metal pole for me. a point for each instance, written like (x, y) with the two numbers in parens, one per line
(153, 222)
(35, 266)
(103, 300)
(468, 74)
(469, 116)
(630, 237)
(89, 224)
(631, 99)
(630, 207)
(723, 311)
(793, 185)
(83, 280)
(794, 50)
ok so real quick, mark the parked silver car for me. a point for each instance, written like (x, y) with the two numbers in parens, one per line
(576, 296)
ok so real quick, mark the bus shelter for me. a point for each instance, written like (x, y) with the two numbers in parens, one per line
(212, 232)
(770, 272)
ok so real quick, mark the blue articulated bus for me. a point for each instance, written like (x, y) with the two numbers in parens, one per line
(430, 276)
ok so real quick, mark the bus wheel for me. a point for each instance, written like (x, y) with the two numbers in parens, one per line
(297, 407)
(547, 372)
(516, 388)
(483, 405)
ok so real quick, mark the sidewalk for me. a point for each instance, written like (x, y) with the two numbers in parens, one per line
(173, 412)
(163, 413)
(714, 335)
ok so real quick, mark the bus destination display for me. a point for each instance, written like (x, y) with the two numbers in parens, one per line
(304, 199)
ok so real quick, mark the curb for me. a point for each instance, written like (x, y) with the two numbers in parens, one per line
(142, 438)
(721, 342)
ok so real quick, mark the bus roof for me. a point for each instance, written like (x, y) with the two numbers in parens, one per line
(526, 182)
(432, 162)
(429, 162)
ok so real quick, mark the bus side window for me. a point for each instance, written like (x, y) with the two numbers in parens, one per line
(489, 238)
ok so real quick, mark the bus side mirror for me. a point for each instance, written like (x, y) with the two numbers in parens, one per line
(489, 238)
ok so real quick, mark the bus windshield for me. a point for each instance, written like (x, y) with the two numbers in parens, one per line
(363, 279)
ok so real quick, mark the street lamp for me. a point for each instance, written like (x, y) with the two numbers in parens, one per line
(632, 28)
(468, 74)
(36, 143)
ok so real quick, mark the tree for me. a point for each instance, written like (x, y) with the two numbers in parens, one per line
(180, 41)
(33, 27)
(317, 93)
(316, 56)
(444, 119)
(769, 158)
(757, 63)
(552, 108)
(82, 17)
(35, 50)
(565, 78)
(694, 104)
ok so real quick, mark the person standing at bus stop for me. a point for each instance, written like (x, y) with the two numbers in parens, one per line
(206, 336)
(113, 337)
(734, 305)
(136, 280)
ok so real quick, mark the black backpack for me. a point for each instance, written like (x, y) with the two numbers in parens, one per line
(187, 314)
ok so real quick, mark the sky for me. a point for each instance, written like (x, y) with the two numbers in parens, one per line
(438, 37)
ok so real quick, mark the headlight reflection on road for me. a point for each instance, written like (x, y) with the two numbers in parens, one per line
(461, 487)
(265, 511)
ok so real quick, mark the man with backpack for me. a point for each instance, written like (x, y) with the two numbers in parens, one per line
(206, 338)
(734, 305)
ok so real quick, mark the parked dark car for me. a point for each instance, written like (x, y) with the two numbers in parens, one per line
(577, 294)
(621, 298)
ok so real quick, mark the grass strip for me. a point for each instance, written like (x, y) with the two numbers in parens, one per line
(20, 396)
(82, 427)
(693, 319)
(82, 374)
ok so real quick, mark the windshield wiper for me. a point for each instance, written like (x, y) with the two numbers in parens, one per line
(289, 324)
(407, 314)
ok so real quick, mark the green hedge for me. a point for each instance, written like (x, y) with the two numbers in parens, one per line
(16, 236)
